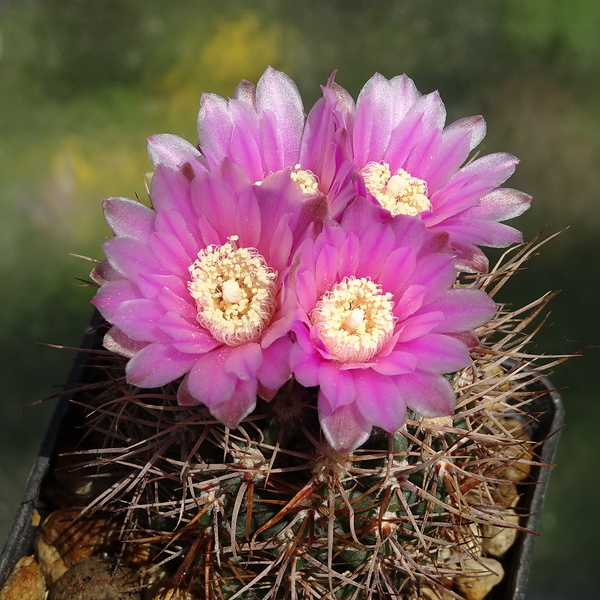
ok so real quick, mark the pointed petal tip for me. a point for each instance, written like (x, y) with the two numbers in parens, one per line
(345, 429)
(170, 150)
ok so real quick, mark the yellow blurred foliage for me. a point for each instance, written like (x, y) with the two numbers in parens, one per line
(237, 49)
(82, 170)
(80, 173)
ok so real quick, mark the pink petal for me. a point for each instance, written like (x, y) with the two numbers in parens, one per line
(138, 319)
(128, 217)
(280, 247)
(170, 190)
(438, 353)
(112, 294)
(214, 125)
(132, 257)
(244, 145)
(225, 197)
(305, 363)
(378, 399)
(152, 284)
(185, 336)
(486, 233)
(336, 385)
(376, 244)
(104, 272)
(396, 362)
(281, 200)
(184, 396)
(171, 253)
(410, 302)
(326, 268)
(457, 140)
(278, 98)
(474, 127)
(182, 305)
(427, 394)
(306, 289)
(433, 110)
(422, 157)
(173, 152)
(246, 92)
(276, 368)
(397, 269)
(405, 95)
(436, 273)
(470, 258)
(419, 325)
(499, 205)
(403, 140)
(239, 405)
(188, 234)
(495, 168)
(243, 360)
(157, 364)
(348, 256)
(374, 120)
(345, 428)
(463, 309)
(208, 381)
(116, 341)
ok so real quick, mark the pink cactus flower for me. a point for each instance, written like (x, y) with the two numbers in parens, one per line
(379, 322)
(193, 287)
(411, 164)
(263, 129)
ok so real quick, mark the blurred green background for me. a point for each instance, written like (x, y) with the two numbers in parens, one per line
(82, 83)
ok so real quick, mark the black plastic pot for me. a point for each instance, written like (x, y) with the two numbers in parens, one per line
(22, 533)
(548, 408)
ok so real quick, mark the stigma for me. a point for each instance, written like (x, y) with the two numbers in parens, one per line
(400, 193)
(234, 290)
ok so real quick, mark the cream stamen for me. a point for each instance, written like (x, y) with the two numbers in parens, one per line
(354, 319)
(307, 180)
(401, 193)
(234, 290)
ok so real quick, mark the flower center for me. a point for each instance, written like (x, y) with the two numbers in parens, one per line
(401, 193)
(234, 290)
(307, 180)
(354, 319)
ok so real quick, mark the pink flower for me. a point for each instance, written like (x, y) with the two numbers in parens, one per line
(193, 287)
(410, 164)
(263, 129)
(379, 323)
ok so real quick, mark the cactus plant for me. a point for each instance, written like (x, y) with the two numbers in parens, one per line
(307, 390)
(270, 510)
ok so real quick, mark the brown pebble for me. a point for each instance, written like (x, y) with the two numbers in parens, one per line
(96, 579)
(25, 582)
(426, 593)
(77, 537)
(51, 562)
(487, 572)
